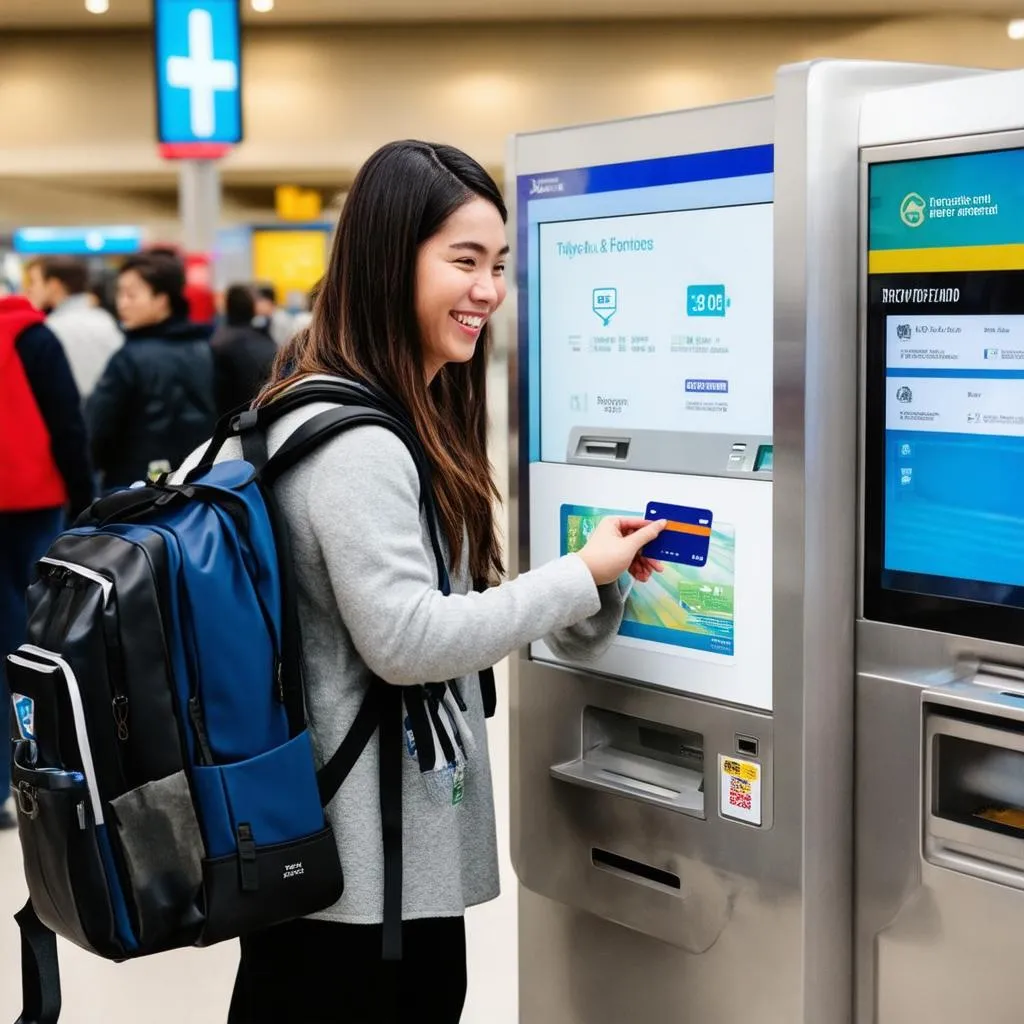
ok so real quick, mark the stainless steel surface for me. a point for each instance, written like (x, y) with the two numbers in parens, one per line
(934, 942)
(939, 907)
(761, 926)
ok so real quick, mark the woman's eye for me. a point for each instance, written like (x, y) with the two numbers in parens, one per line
(500, 269)
(467, 261)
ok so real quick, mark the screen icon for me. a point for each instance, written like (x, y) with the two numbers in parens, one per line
(606, 303)
(906, 450)
(903, 332)
(912, 210)
(904, 395)
(906, 475)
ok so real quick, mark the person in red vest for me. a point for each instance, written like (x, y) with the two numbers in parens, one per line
(44, 472)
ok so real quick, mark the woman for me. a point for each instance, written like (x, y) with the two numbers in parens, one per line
(416, 271)
(242, 354)
(155, 400)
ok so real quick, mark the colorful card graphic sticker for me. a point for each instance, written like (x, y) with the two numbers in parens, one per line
(684, 606)
(686, 537)
(740, 789)
(25, 715)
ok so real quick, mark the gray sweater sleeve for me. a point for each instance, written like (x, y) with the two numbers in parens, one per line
(589, 639)
(363, 503)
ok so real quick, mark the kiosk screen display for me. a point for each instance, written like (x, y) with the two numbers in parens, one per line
(646, 293)
(945, 398)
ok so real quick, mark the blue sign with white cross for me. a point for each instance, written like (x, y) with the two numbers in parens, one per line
(198, 57)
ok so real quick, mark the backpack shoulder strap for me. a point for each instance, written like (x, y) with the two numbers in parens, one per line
(325, 425)
(40, 971)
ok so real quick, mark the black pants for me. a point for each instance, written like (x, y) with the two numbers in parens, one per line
(318, 972)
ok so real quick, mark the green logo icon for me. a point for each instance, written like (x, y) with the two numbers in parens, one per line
(912, 210)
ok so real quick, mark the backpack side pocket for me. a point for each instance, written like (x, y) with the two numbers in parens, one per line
(163, 855)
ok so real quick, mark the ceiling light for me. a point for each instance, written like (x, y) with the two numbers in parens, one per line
(97, 6)
(262, 6)
(1015, 30)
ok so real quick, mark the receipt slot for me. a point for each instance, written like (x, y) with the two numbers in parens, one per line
(681, 799)
(940, 639)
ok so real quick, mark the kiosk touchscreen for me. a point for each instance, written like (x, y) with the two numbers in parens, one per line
(944, 487)
(647, 304)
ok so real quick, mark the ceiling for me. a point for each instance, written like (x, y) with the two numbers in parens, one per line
(71, 14)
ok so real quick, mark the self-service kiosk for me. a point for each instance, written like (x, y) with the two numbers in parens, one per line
(940, 641)
(682, 803)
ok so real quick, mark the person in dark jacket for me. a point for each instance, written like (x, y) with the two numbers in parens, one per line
(44, 471)
(155, 401)
(242, 353)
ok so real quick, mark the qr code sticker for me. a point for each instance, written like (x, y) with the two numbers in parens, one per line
(739, 794)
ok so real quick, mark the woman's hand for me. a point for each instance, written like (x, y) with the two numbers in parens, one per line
(615, 546)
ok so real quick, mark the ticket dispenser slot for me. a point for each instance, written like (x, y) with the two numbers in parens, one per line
(974, 780)
(643, 760)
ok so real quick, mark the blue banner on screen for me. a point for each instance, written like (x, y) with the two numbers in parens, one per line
(84, 241)
(198, 59)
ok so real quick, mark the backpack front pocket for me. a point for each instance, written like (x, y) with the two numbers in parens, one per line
(69, 863)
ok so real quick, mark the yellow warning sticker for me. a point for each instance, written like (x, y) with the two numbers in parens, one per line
(740, 791)
(747, 770)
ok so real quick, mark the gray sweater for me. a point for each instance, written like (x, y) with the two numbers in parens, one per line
(369, 604)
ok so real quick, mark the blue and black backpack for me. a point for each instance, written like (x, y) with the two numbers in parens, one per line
(165, 783)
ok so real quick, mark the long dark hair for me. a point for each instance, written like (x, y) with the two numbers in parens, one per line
(365, 328)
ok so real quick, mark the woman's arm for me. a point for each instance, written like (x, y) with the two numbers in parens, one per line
(363, 501)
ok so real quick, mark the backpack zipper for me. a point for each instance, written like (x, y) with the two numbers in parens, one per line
(80, 570)
(195, 714)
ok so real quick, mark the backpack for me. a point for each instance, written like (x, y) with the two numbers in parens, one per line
(165, 782)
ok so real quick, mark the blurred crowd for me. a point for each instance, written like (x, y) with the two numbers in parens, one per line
(105, 382)
(131, 369)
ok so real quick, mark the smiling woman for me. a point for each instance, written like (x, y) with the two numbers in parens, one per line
(460, 282)
(416, 273)
(421, 239)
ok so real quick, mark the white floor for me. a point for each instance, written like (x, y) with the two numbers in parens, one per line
(194, 986)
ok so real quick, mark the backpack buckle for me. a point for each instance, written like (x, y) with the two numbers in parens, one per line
(248, 865)
(245, 421)
(28, 802)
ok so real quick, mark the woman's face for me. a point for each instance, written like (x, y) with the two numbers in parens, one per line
(137, 305)
(460, 282)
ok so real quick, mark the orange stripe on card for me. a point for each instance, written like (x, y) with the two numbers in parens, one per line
(697, 531)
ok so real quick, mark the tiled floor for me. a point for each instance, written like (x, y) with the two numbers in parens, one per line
(194, 986)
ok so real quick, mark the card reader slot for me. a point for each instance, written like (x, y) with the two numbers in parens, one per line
(615, 449)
